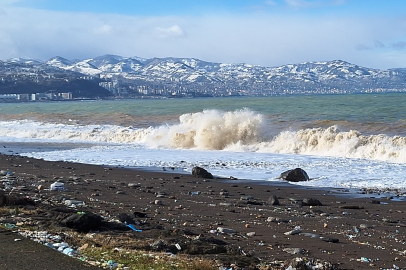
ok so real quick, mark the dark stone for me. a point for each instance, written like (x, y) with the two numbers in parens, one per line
(140, 215)
(10, 200)
(295, 175)
(201, 173)
(254, 203)
(125, 218)
(82, 222)
(2, 199)
(273, 200)
(329, 239)
(311, 202)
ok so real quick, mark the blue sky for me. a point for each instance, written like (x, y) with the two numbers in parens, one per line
(369, 33)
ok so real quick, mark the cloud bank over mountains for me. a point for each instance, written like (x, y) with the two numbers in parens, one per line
(258, 36)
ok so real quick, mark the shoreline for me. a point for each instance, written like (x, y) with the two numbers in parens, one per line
(236, 223)
(15, 148)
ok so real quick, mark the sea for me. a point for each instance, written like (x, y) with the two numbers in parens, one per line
(342, 141)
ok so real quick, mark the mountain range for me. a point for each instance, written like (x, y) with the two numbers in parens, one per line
(132, 76)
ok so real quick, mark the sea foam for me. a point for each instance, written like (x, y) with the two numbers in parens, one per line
(239, 131)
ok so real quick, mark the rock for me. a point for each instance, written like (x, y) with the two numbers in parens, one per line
(158, 202)
(134, 185)
(125, 218)
(201, 173)
(273, 200)
(294, 250)
(140, 215)
(246, 198)
(365, 226)
(2, 199)
(311, 202)
(294, 231)
(276, 219)
(226, 230)
(254, 203)
(158, 243)
(329, 239)
(82, 222)
(73, 202)
(295, 175)
(351, 207)
(225, 204)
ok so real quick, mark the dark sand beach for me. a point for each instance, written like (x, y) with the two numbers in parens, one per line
(235, 223)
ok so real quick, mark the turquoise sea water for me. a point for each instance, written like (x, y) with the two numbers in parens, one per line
(370, 113)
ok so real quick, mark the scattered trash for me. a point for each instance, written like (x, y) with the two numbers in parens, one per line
(131, 226)
(178, 247)
(10, 226)
(57, 186)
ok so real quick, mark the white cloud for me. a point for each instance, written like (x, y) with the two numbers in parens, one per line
(256, 38)
(172, 32)
(104, 29)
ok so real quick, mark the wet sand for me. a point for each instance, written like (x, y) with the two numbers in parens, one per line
(234, 222)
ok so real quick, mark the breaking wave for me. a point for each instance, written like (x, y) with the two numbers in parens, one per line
(240, 130)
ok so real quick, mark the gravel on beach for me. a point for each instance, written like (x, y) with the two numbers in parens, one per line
(239, 224)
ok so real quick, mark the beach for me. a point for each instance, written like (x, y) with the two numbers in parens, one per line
(236, 223)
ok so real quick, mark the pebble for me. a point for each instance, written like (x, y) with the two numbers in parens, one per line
(226, 230)
(294, 231)
(246, 198)
(73, 202)
(158, 202)
(294, 250)
(365, 226)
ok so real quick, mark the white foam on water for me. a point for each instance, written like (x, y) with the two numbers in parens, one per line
(324, 171)
(240, 130)
(235, 143)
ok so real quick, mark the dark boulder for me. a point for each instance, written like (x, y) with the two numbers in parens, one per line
(82, 222)
(125, 218)
(11, 200)
(273, 200)
(311, 202)
(295, 175)
(201, 173)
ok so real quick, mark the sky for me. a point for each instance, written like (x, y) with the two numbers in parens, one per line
(369, 33)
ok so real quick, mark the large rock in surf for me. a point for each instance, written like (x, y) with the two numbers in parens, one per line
(201, 173)
(295, 175)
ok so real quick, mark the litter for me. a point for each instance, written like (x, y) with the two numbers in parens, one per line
(131, 226)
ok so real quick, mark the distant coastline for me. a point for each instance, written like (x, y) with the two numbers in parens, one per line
(113, 76)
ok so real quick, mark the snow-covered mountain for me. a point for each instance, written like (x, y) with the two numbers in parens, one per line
(197, 75)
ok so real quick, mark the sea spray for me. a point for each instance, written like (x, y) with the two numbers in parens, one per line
(237, 131)
(210, 130)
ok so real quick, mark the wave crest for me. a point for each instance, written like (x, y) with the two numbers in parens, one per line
(334, 142)
(240, 130)
(209, 130)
